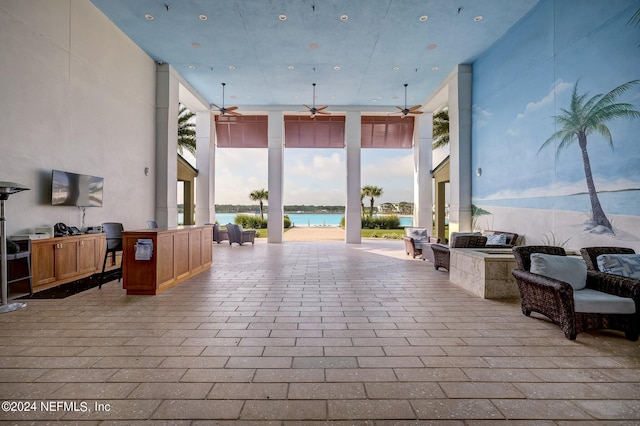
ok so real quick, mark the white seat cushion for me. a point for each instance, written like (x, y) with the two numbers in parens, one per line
(594, 301)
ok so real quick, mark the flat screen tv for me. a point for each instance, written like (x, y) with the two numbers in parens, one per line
(72, 189)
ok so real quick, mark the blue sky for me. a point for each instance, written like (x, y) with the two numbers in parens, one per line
(312, 176)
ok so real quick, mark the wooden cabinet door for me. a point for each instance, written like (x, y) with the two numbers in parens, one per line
(87, 252)
(43, 263)
(66, 259)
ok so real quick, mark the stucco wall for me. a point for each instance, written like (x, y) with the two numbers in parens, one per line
(524, 81)
(76, 95)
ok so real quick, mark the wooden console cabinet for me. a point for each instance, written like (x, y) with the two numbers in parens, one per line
(178, 254)
(60, 260)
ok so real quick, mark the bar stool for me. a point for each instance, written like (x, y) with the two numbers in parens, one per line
(15, 260)
(114, 245)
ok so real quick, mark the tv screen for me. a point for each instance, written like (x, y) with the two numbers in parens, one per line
(71, 189)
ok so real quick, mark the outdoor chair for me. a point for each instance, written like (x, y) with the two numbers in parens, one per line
(458, 240)
(562, 289)
(500, 239)
(219, 235)
(416, 240)
(239, 235)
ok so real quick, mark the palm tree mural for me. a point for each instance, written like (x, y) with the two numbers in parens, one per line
(372, 192)
(186, 131)
(259, 195)
(582, 119)
(441, 129)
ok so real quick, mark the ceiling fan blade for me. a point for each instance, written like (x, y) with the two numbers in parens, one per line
(400, 108)
(320, 108)
(323, 112)
(306, 106)
(216, 106)
(416, 112)
(231, 108)
(234, 113)
(415, 107)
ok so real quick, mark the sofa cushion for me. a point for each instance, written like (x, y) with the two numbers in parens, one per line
(571, 270)
(496, 239)
(589, 301)
(626, 265)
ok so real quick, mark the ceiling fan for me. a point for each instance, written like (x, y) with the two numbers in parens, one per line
(231, 110)
(316, 110)
(406, 111)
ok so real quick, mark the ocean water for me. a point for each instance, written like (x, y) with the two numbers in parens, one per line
(307, 219)
(618, 202)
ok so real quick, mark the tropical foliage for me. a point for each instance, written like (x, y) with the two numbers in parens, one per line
(441, 129)
(372, 192)
(260, 195)
(582, 118)
(186, 131)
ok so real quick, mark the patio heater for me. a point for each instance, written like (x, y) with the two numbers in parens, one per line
(6, 189)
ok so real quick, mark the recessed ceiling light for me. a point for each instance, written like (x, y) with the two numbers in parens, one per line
(344, 17)
(203, 17)
(313, 46)
(282, 17)
(374, 100)
(432, 46)
(192, 67)
(195, 44)
(232, 67)
(337, 68)
(423, 18)
(478, 18)
(434, 68)
(149, 16)
(291, 68)
(396, 68)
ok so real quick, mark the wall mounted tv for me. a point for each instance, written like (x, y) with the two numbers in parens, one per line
(71, 189)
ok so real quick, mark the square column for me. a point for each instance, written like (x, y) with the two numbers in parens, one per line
(205, 159)
(422, 163)
(353, 218)
(167, 98)
(275, 217)
(460, 146)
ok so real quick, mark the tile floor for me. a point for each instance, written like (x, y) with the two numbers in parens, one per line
(308, 333)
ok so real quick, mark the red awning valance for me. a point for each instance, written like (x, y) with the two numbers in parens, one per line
(246, 131)
(386, 131)
(318, 132)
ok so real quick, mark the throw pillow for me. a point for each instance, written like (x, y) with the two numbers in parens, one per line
(418, 234)
(626, 265)
(496, 239)
(571, 270)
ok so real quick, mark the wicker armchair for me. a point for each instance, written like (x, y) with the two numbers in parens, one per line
(219, 235)
(441, 252)
(555, 299)
(239, 235)
(416, 240)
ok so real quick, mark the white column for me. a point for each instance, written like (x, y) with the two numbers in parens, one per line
(460, 149)
(422, 163)
(275, 218)
(167, 98)
(205, 160)
(353, 219)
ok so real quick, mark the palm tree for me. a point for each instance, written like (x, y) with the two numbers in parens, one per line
(580, 120)
(441, 129)
(259, 195)
(186, 131)
(372, 192)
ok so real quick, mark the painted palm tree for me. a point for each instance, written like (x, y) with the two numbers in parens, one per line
(583, 118)
(259, 195)
(372, 192)
(441, 129)
(186, 131)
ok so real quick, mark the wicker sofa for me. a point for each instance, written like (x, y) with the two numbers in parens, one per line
(565, 306)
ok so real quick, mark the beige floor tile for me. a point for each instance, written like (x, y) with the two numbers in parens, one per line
(370, 409)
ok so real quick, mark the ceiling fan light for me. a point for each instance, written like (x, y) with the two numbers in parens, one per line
(423, 18)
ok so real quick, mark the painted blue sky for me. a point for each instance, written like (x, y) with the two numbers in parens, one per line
(513, 109)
